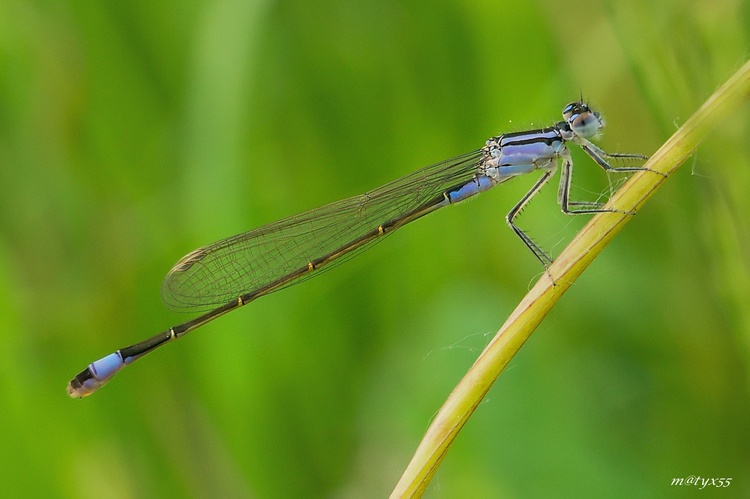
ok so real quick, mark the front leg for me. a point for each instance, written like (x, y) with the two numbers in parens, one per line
(600, 156)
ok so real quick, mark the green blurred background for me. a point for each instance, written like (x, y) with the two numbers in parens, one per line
(133, 132)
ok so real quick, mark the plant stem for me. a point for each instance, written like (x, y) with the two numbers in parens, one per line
(587, 244)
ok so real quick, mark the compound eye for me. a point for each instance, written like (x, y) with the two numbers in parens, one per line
(585, 124)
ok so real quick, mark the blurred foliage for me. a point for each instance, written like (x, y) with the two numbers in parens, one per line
(134, 132)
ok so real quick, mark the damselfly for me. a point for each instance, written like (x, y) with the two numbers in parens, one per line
(230, 273)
